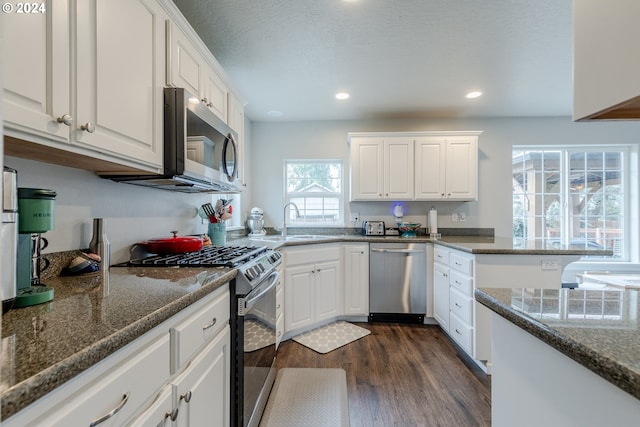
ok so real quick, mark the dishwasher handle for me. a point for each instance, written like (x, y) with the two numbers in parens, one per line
(398, 251)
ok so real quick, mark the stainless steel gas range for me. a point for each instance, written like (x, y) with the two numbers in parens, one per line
(253, 320)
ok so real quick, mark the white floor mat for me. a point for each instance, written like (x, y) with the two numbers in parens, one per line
(331, 336)
(308, 397)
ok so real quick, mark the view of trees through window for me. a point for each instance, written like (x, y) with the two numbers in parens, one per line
(572, 197)
(315, 186)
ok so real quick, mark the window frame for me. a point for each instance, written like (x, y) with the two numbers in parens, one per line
(629, 158)
(287, 197)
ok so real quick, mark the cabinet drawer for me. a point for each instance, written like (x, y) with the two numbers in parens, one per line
(319, 253)
(127, 387)
(461, 305)
(461, 263)
(204, 324)
(441, 255)
(462, 333)
(460, 282)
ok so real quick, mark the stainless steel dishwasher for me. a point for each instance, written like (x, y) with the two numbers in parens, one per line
(397, 282)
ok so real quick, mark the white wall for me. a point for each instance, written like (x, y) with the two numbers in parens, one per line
(274, 142)
(131, 213)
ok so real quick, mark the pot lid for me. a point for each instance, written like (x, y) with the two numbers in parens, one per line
(175, 239)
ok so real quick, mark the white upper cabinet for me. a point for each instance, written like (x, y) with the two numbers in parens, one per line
(92, 81)
(606, 64)
(188, 68)
(36, 85)
(414, 166)
(381, 167)
(446, 168)
(120, 75)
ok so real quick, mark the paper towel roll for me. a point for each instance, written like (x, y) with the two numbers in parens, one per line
(433, 221)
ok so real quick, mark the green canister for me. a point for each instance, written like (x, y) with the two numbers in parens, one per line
(35, 210)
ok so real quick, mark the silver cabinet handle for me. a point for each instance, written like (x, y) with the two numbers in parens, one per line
(173, 415)
(278, 307)
(65, 119)
(458, 332)
(186, 396)
(213, 322)
(89, 127)
(205, 100)
(111, 413)
(458, 305)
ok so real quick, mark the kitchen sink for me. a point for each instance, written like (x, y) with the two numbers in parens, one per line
(297, 237)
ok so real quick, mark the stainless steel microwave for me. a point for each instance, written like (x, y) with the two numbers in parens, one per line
(200, 150)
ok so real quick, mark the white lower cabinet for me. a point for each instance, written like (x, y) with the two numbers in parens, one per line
(454, 305)
(312, 285)
(135, 385)
(279, 308)
(201, 392)
(441, 294)
(355, 281)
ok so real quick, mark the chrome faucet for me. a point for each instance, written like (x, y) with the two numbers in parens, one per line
(284, 217)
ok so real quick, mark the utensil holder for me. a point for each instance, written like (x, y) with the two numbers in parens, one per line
(218, 233)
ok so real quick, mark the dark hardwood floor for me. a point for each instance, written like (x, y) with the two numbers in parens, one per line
(403, 375)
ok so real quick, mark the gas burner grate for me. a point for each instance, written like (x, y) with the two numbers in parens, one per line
(209, 256)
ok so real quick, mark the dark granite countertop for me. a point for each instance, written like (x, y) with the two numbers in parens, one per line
(600, 329)
(475, 244)
(44, 346)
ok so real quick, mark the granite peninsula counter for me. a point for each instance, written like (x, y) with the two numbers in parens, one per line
(46, 345)
(564, 356)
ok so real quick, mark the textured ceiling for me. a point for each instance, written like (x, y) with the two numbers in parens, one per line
(397, 58)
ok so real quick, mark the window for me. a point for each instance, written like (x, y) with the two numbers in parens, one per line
(315, 186)
(570, 196)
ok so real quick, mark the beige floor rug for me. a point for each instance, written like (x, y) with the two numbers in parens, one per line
(329, 337)
(308, 397)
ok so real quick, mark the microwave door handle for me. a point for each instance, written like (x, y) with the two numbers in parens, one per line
(272, 283)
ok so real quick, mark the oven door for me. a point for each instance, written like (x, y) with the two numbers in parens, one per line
(259, 348)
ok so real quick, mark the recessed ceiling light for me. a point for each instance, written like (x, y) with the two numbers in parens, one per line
(474, 94)
(342, 95)
(274, 113)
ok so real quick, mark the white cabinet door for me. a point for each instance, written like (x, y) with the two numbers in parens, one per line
(119, 79)
(605, 61)
(327, 287)
(356, 279)
(462, 168)
(36, 72)
(398, 168)
(186, 67)
(202, 391)
(367, 169)
(298, 297)
(430, 170)
(215, 94)
(441, 294)
(446, 168)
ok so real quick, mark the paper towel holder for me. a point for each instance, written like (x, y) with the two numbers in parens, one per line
(433, 224)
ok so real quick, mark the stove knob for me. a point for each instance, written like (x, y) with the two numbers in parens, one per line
(260, 268)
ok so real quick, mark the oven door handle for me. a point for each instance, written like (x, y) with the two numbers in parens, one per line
(273, 280)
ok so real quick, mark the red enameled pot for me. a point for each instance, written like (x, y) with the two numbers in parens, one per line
(172, 245)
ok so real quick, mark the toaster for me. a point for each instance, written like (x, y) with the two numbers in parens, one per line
(373, 228)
